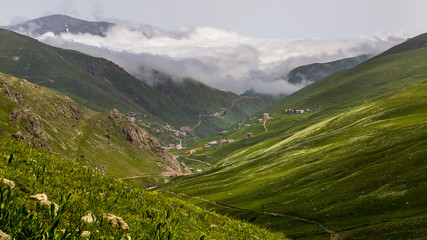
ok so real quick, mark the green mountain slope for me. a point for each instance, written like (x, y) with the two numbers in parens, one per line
(40, 116)
(316, 71)
(87, 198)
(353, 167)
(102, 85)
(411, 44)
(216, 110)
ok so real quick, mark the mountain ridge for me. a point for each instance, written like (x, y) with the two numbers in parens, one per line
(102, 85)
(60, 23)
(40, 116)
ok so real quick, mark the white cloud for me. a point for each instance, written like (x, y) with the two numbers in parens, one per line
(222, 59)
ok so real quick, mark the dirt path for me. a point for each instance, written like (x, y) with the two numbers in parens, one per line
(233, 102)
(241, 124)
(197, 160)
(133, 177)
(265, 127)
(334, 234)
(198, 123)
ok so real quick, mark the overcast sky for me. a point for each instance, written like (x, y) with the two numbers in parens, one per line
(284, 19)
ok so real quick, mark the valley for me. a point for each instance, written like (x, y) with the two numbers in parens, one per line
(354, 164)
(167, 157)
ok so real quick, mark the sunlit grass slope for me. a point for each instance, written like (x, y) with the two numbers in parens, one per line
(81, 190)
(357, 163)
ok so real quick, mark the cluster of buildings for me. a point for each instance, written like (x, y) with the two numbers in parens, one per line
(173, 146)
(178, 133)
(261, 120)
(297, 111)
(132, 117)
(219, 142)
(217, 115)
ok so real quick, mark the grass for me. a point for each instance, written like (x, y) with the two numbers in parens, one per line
(106, 140)
(78, 190)
(357, 167)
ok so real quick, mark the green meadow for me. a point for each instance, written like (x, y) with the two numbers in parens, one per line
(353, 167)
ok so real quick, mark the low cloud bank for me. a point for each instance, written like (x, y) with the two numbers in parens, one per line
(218, 58)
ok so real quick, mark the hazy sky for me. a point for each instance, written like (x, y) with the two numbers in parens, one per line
(284, 19)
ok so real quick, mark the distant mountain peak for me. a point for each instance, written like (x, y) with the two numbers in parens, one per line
(59, 23)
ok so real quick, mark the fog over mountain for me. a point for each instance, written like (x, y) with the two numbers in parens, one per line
(218, 58)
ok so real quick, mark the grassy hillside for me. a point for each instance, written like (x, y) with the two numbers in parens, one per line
(102, 85)
(204, 101)
(316, 71)
(40, 116)
(80, 191)
(353, 167)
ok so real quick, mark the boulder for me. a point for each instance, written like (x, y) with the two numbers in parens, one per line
(85, 234)
(89, 218)
(42, 198)
(10, 183)
(4, 236)
(116, 221)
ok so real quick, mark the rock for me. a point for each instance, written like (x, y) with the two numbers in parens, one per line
(30, 127)
(14, 96)
(10, 183)
(89, 218)
(42, 198)
(116, 221)
(85, 234)
(4, 236)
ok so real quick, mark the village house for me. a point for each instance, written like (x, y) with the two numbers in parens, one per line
(298, 111)
(192, 151)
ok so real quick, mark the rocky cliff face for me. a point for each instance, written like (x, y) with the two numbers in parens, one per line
(39, 116)
(142, 139)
